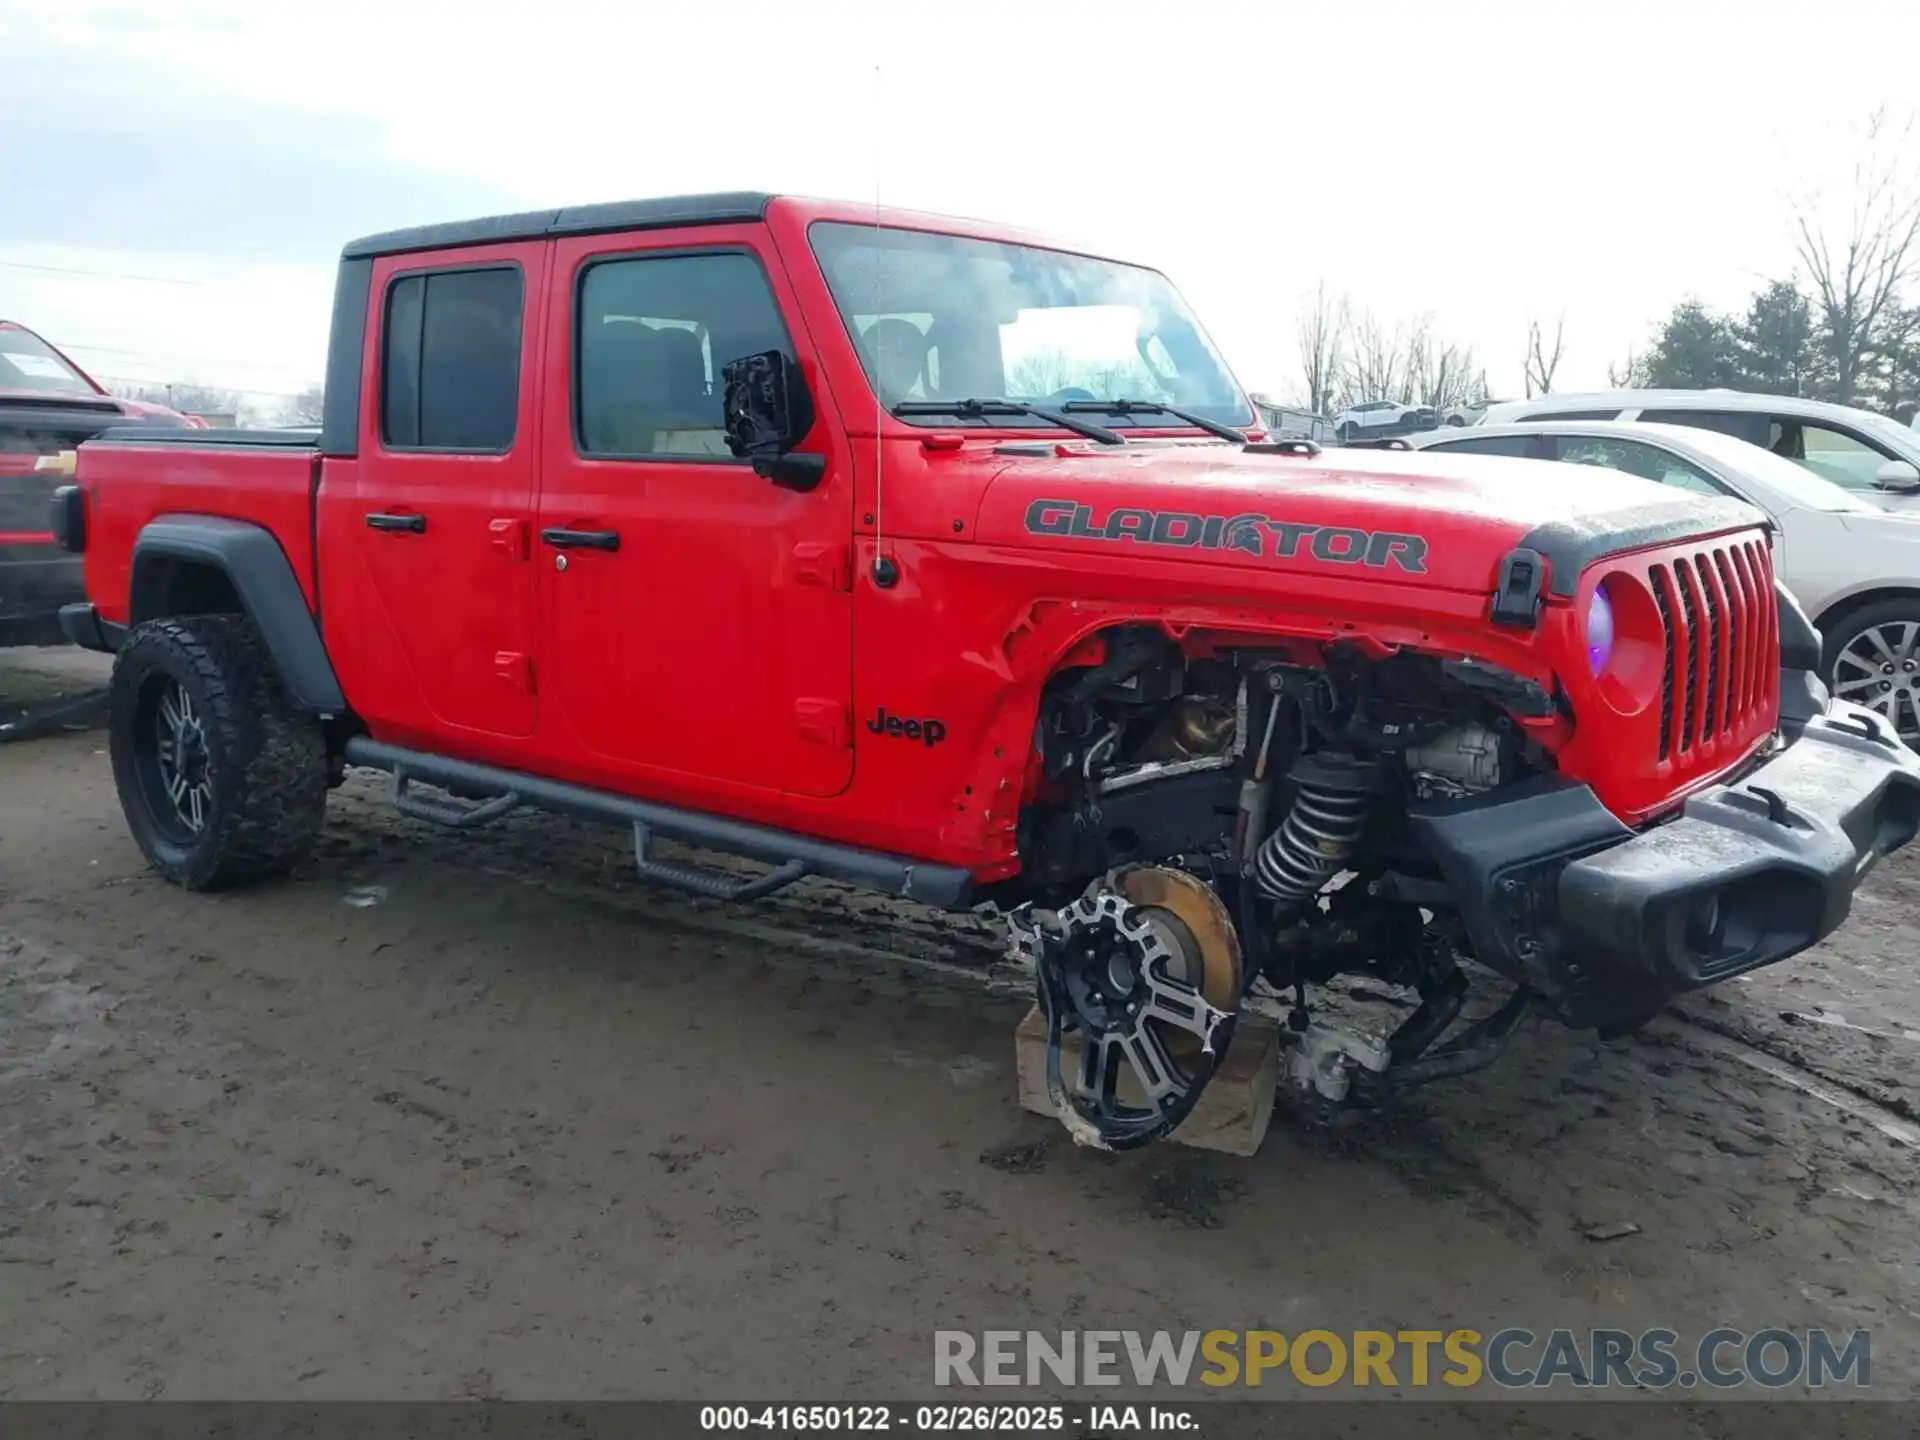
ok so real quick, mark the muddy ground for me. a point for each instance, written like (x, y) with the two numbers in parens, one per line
(483, 1115)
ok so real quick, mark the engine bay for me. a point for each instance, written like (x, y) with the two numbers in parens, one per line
(1211, 820)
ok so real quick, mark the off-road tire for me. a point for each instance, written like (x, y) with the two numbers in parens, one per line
(264, 762)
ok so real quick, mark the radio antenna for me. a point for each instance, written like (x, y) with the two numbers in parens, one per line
(885, 572)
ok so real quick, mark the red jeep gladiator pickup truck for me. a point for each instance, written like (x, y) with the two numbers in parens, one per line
(918, 554)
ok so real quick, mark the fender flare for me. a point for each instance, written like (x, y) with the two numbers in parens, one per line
(263, 578)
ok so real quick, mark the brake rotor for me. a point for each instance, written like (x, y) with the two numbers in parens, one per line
(1199, 931)
(1144, 969)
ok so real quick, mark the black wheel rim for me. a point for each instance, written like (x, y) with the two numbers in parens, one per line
(1880, 668)
(172, 759)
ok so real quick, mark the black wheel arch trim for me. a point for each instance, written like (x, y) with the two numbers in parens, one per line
(263, 578)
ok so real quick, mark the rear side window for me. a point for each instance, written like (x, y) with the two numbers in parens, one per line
(450, 375)
(1750, 426)
(1526, 447)
(1634, 457)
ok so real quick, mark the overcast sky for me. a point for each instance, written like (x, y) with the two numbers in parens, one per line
(199, 162)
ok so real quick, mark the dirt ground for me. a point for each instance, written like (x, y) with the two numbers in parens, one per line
(483, 1115)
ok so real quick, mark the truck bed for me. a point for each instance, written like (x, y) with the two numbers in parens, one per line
(135, 473)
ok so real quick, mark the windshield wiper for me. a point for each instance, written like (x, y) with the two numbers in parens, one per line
(1124, 408)
(976, 409)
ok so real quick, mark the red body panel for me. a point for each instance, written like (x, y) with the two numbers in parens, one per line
(129, 485)
(736, 654)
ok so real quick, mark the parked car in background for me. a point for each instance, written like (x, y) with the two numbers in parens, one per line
(48, 405)
(1855, 449)
(1854, 567)
(1378, 418)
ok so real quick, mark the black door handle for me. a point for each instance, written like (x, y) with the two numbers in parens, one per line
(563, 539)
(412, 524)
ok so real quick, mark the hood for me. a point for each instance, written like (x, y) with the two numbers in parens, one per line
(1414, 517)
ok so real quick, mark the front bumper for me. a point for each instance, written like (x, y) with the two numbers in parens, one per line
(1607, 924)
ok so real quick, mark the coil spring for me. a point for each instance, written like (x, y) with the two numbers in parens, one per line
(1321, 830)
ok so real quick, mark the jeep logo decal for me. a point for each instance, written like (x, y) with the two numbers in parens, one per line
(928, 732)
(1180, 530)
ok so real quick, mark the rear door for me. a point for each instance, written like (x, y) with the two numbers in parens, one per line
(697, 619)
(439, 505)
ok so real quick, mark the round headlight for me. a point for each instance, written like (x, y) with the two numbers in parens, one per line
(1599, 630)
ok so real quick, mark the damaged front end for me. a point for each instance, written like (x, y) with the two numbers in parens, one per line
(1221, 830)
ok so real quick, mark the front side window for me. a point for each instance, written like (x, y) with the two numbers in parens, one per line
(1635, 457)
(939, 318)
(450, 377)
(652, 335)
(1834, 455)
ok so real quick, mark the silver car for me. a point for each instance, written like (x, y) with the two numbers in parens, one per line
(1854, 567)
(1856, 449)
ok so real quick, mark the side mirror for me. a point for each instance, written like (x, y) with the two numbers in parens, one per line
(767, 412)
(1901, 475)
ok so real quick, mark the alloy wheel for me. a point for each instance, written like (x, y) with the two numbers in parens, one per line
(180, 758)
(1880, 669)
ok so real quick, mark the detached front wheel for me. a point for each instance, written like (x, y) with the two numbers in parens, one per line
(222, 780)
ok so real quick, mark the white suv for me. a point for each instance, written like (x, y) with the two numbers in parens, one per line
(1857, 450)
(1378, 419)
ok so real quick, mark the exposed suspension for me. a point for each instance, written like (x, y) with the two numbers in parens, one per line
(1332, 797)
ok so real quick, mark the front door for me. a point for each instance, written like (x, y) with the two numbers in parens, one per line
(436, 513)
(697, 619)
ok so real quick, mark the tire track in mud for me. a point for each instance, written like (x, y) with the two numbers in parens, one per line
(873, 939)
(1888, 1113)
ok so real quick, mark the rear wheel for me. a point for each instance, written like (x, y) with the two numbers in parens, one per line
(222, 780)
(1873, 658)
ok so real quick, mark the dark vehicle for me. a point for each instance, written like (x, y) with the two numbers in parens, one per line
(48, 406)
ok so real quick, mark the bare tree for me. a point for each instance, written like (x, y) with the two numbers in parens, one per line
(1542, 359)
(186, 397)
(1322, 334)
(1856, 276)
(305, 408)
(1373, 364)
(1629, 374)
(1438, 373)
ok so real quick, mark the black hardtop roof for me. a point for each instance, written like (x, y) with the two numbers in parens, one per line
(716, 209)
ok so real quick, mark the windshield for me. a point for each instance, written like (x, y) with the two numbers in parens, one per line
(941, 317)
(1794, 484)
(28, 363)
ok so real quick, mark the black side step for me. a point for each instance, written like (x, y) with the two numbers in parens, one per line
(946, 886)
